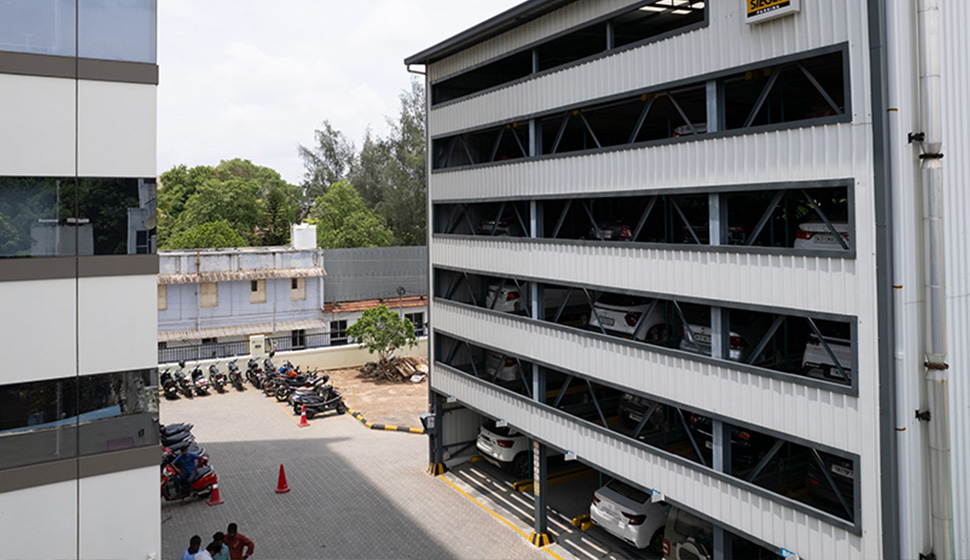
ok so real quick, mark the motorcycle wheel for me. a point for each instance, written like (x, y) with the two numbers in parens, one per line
(281, 394)
(341, 408)
(310, 414)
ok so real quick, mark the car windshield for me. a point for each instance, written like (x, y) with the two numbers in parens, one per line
(502, 432)
(626, 491)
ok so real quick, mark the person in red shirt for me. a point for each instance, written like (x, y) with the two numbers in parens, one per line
(237, 543)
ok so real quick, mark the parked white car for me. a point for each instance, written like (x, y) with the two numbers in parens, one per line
(505, 448)
(509, 299)
(817, 235)
(627, 316)
(817, 363)
(627, 513)
(507, 367)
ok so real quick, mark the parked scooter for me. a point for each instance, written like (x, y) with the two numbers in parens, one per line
(169, 386)
(183, 382)
(235, 376)
(199, 484)
(199, 381)
(217, 379)
(318, 401)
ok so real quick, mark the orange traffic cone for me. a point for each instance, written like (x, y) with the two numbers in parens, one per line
(281, 487)
(214, 497)
(303, 422)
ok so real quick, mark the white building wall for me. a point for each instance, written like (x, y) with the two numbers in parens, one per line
(124, 338)
(37, 138)
(956, 170)
(115, 129)
(41, 522)
(120, 528)
(38, 333)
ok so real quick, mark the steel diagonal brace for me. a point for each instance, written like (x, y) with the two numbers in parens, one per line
(562, 129)
(775, 200)
(518, 141)
(498, 142)
(528, 304)
(835, 488)
(562, 306)
(590, 129)
(528, 390)
(644, 216)
(471, 292)
(525, 228)
(562, 391)
(765, 339)
(562, 218)
(818, 86)
(765, 460)
(592, 308)
(643, 421)
(464, 213)
(828, 350)
(683, 217)
(596, 402)
(683, 115)
(687, 330)
(453, 285)
(641, 120)
(471, 358)
(589, 212)
(498, 218)
(501, 362)
(761, 98)
(828, 223)
(690, 436)
(468, 152)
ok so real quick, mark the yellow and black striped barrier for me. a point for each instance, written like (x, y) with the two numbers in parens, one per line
(540, 539)
(386, 427)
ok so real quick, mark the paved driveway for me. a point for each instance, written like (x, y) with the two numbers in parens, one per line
(355, 493)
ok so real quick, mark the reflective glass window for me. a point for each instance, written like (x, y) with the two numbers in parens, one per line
(37, 26)
(118, 215)
(117, 30)
(52, 420)
(37, 217)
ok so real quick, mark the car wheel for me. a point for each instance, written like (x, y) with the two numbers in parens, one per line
(520, 465)
(658, 334)
(657, 541)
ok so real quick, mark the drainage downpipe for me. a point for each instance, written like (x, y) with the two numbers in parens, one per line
(937, 377)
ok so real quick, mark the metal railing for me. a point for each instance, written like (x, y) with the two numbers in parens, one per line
(285, 343)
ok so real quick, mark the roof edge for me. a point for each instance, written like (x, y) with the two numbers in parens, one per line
(509, 19)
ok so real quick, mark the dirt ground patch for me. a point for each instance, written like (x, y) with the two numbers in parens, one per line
(382, 402)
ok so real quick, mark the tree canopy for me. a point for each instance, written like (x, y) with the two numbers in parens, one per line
(344, 221)
(235, 192)
(383, 331)
(208, 235)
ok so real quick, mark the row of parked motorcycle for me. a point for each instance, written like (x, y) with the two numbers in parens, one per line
(299, 389)
(197, 383)
(200, 482)
(286, 383)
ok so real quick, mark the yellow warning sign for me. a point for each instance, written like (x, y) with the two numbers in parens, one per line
(762, 10)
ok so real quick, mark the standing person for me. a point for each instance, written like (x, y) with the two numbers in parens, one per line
(206, 553)
(237, 543)
(194, 544)
(222, 550)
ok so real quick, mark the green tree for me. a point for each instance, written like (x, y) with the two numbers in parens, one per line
(274, 223)
(235, 201)
(329, 161)
(382, 331)
(344, 221)
(208, 235)
(403, 201)
(369, 170)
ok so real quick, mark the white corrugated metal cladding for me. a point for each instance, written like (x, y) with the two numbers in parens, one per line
(831, 418)
(956, 144)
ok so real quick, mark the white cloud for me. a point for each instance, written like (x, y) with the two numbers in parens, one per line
(254, 80)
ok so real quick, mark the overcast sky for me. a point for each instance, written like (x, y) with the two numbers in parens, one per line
(254, 79)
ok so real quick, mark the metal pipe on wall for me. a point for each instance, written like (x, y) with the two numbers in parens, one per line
(931, 175)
